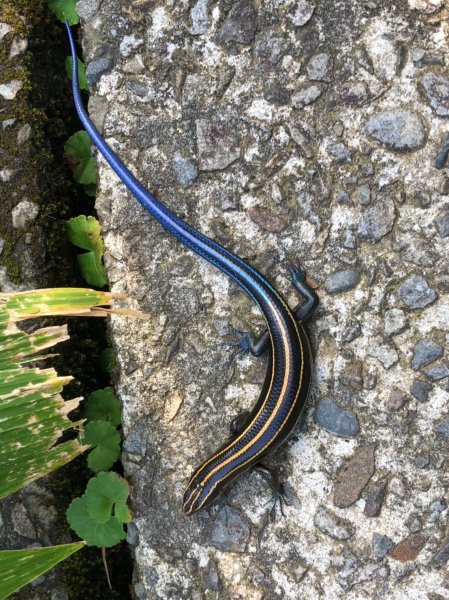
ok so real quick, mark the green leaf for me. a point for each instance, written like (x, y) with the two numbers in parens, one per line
(107, 360)
(82, 81)
(103, 405)
(103, 535)
(65, 10)
(106, 496)
(92, 269)
(20, 567)
(106, 440)
(78, 150)
(90, 189)
(85, 233)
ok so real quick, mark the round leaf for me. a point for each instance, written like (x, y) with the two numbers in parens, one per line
(78, 150)
(103, 535)
(106, 496)
(106, 440)
(103, 405)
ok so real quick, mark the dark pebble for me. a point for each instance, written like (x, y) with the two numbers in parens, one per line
(381, 545)
(97, 68)
(424, 353)
(269, 49)
(211, 579)
(400, 130)
(240, 24)
(341, 281)
(442, 223)
(352, 332)
(363, 195)
(421, 390)
(409, 548)
(437, 373)
(335, 420)
(352, 376)
(442, 556)
(340, 153)
(422, 461)
(416, 293)
(354, 476)
(437, 90)
(443, 428)
(320, 68)
(397, 399)
(375, 498)
(229, 532)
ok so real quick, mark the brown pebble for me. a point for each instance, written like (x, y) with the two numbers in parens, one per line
(374, 499)
(353, 477)
(409, 548)
(266, 219)
(397, 399)
(352, 376)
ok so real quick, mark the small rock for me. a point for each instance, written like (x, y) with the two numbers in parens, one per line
(352, 333)
(437, 373)
(306, 96)
(442, 223)
(267, 220)
(424, 353)
(5, 28)
(335, 420)
(185, 170)
(270, 48)
(18, 47)
(422, 461)
(340, 152)
(382, 544)
(442, 556)
(332, 525)
(87, 8)
(9, 91)
(24, 213)
(362, 195)
(320, 68)
(24, 134)
(277, 94)
(229, 532)
(426, 6)
(377, 221)
(302, 13)
(352, 376)
(421, 390)
(354, 476)
(395, 321)
(211, 579)
(353, 94)
(97, 68)
(375, 498)
(367, 170)
(437, 90)
(416, 293)
(443, 428)
(341, 281)
(383, 352)
(400, 130)
(199, 17)
(421, 58)
(397, 399)
(409, 548)
(217, 146)
(240, 24)
(350, 241)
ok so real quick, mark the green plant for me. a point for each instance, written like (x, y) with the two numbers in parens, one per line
(33, 414)
(65, 10)
(84, 232)
(78, 151)
(82, 81)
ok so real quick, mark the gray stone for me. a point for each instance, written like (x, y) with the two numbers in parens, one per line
(375, 497)
(422, 461)
(306, 96)
(442, 223)
(270, 48)
(435, 509)
(87, 8)
(394, 321)
(24, 214)
(341, 281)
(185, 170)
(229, 532)
(437, 90)
(211, 579)
(377, 221)
(352, 332)
(320, 68)
(437, 373)
(277, 94)
(383, 351)
(335, 420)
(302, 12)
(443, 428)
(97, 68)
(9, 90)
(332, 525)
(340, 152)
(199, 17)
(217, 146)
(353, 94)
(416, 293)
(350, 241)
(362, 194)
(400, 130)
(18, 47)
(381, 545)
(240, 24)
(397, 398)
(421, 390)
(424, 353)
(442, 556)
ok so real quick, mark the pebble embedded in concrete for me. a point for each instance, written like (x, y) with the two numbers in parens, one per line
(416, 293)
(424, 353)
(336, 420)
(400, 130)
